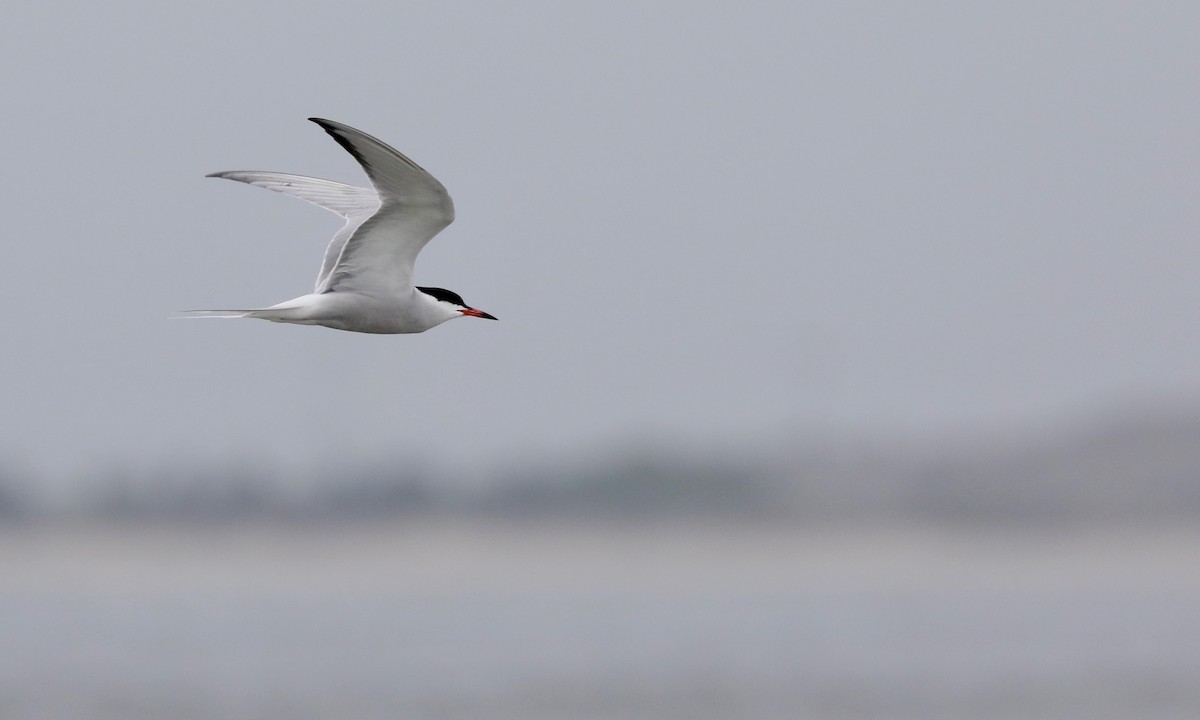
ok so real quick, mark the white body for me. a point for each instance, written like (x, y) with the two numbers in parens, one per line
(360, 312)
(366, 279)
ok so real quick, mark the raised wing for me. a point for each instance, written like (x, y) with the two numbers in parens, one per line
(378, 255)
(338, 198)
(355, 204)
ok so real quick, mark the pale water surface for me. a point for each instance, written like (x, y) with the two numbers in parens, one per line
(480, 619)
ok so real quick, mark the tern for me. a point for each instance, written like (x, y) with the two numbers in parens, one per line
(366, 280)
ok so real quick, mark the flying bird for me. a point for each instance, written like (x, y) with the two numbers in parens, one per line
(366, 280)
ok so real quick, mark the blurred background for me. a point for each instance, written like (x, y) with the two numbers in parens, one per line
(847, 364)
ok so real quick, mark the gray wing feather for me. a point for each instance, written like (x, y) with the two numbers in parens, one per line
(338, 198)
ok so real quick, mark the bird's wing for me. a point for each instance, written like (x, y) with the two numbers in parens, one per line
(355, 204)
(339, 198)
(378, 254)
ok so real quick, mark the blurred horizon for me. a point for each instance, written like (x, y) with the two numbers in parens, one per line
(1130, 465)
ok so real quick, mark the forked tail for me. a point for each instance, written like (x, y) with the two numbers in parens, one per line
(293, 311)
(179, 314)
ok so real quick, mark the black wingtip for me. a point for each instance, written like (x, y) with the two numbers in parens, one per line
(328, 126)
(336, 132)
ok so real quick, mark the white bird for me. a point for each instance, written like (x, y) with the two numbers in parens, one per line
(366, 281)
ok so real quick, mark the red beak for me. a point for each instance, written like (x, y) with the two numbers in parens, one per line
(478, 313)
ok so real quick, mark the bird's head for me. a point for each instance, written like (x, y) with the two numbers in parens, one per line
(453, 303)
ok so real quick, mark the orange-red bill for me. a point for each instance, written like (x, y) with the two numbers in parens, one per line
(478, 313)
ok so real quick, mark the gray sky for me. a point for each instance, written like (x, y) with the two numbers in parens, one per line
(694, 220)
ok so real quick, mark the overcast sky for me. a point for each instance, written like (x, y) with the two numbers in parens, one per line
(696, 221)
